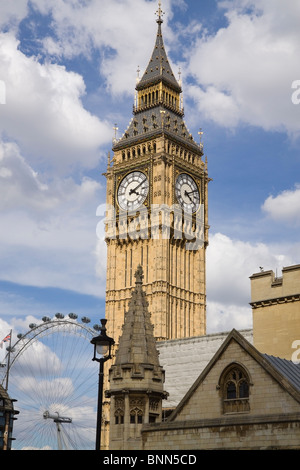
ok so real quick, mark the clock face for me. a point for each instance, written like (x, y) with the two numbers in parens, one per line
(133, 190)
(187, 193)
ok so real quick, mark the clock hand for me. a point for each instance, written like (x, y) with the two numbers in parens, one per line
(140, 184)
(188, 195)
(191, 192)
(134, 189)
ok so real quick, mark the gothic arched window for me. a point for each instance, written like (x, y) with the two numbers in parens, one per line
(119, 417)
(234, 386)
(136, 416)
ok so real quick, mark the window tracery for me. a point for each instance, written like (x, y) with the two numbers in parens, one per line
(235, 384)
(119, 416)
(136, 416)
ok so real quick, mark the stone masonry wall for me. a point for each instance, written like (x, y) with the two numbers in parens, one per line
(285, 435)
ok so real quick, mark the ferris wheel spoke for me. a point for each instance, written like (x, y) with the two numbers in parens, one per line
(52, 372)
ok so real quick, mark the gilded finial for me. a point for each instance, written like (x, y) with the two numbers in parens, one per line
(179, 76)
(201, 134)
(115, 128)
(159, 13)
(201, 143)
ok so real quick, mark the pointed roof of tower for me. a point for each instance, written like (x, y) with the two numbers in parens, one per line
(165, 116)
(159, 68)
(137, 343)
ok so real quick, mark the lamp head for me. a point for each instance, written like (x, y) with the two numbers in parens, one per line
(102, 344)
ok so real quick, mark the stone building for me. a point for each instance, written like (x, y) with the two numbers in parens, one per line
(275, 305)
(7, 417)
(225, 390)
(243, 399)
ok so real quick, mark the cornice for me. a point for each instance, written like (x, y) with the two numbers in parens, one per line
(158, 79)
(275, 301)
(236, 420)
(137, 140)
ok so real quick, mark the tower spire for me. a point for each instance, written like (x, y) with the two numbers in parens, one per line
(159, 13)
(137, 342)
(158, 102)
(159, 68)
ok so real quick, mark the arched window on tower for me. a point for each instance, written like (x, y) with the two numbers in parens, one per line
(119, 416)
(136, 416)
(234, 385)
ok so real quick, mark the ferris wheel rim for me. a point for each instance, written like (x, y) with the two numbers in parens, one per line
(35, 332)
(63, 327)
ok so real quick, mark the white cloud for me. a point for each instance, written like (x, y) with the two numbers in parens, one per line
(285, 207)
(246, 69)
(44, 112)
(48, 235)
(230, 263)
(11, 13)
(215, 105)
(222, 317)
(115, 28)
(20, 185)
(33, 358)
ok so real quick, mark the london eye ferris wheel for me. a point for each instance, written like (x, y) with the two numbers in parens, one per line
(49, 371)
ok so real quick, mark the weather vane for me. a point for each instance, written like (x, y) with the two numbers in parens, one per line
(159, 13)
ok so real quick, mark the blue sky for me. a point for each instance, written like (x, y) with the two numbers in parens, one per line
(69, 68)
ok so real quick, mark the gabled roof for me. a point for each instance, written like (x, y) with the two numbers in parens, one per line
(289, 369)
(286, 373)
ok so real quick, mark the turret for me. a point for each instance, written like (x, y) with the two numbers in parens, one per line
(136, 378)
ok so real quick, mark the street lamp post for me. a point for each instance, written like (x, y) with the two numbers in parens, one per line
(102, 347)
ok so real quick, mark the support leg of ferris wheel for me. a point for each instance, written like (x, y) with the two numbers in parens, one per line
(61, 442)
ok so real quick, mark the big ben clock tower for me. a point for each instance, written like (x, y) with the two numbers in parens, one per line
(157, 209)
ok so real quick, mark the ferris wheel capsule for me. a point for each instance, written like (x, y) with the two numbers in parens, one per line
(59, 316)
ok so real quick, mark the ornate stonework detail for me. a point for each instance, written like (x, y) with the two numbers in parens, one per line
(135, 402)
(154, 405)
(119, 403)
